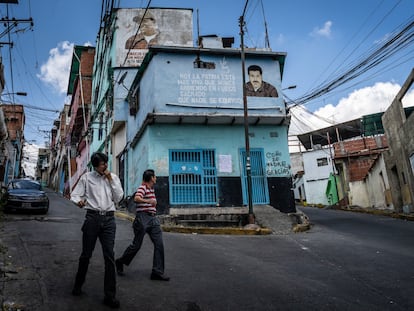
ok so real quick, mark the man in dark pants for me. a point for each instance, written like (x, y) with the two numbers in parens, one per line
(97, 192)
(146, 222)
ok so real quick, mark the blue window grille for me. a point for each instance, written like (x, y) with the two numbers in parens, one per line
(260, 190)
(193, 177)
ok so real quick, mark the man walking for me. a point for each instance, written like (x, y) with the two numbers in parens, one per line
(97, 192)
(146, 222)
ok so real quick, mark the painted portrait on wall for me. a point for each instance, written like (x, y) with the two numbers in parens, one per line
(137, 29)
(256, 86)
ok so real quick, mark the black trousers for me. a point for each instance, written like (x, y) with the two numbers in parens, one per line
(145, 223)
(102, 227)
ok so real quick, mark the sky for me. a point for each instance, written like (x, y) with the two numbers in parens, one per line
(322, 39)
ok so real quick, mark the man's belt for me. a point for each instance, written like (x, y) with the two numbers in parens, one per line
(102, 213)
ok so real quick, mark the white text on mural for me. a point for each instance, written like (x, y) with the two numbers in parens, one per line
(207, 88)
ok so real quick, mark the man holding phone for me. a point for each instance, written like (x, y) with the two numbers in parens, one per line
(98, 191)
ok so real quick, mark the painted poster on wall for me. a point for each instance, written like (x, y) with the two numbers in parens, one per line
(221, 86)
(137, 29)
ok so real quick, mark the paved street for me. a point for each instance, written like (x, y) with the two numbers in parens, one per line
(347, 261)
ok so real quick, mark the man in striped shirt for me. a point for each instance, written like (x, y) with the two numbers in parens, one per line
(146, 222)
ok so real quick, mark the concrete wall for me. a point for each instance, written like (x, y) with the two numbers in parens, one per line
(399, 130)
(225, 140)
(378, 187)
(296, 160)
(358, 194)
(118, 144)
(316, 177)
(174, 87)
(152, 151)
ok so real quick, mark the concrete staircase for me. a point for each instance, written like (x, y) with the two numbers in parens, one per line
(234, 217)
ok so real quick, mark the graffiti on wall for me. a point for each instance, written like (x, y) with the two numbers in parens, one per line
(276, 165)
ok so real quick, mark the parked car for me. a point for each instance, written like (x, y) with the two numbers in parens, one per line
(25, 195)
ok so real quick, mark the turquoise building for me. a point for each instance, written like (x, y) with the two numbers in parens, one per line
(179, 110)
(186, 121)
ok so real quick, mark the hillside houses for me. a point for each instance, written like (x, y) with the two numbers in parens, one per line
(372, 159)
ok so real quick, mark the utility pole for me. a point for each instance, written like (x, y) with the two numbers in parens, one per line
(246, 122)
(10, 24)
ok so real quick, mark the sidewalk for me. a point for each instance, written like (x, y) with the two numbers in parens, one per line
(268, 221)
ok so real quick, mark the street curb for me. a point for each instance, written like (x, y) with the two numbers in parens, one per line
(216, 230)
(202, 230)
(409, 217)
(301, 227)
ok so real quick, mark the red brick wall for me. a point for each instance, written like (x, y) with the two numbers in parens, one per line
(14, 116)
(87, 60)
(359, 167)
(359, 154)
(361, 145)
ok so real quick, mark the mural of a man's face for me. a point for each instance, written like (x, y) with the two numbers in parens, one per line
(255, 78)
(148, 26)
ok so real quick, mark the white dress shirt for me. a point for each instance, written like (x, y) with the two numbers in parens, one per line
(100, 193)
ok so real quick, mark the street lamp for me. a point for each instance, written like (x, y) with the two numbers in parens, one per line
(16, 93)
(12, 97)
(290, 100)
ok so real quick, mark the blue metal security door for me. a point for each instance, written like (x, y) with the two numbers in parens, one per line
(193, 177)
(260, 190)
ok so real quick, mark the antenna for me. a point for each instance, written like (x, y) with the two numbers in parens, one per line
(198, 30)
(267, 43)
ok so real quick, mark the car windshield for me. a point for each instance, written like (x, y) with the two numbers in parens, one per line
(24, 184)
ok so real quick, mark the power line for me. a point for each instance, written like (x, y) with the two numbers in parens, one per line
(399, 41)
(362, 26)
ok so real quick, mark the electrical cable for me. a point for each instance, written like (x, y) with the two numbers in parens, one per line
(267, 43)
(393, 45)
(362, 26)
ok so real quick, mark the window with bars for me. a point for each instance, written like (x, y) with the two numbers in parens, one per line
(322, 161)
(193, 177)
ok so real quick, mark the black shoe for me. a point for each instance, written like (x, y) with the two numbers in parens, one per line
(77, 291)
(159, 277)
(119, 267)
(111, 302)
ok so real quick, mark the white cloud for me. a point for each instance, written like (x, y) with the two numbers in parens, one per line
(325, 31)
(364, 101)
(408, 99)
(55, 71)
(367, 100)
